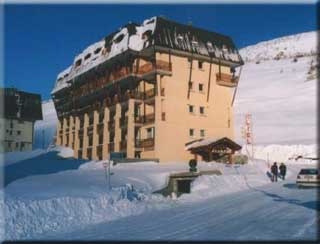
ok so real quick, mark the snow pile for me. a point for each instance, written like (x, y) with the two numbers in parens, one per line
(303, 44)
(64, 152)
(282, 153)
(28, 218)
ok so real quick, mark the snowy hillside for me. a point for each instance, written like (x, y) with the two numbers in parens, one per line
(303, 44)
(280, 94)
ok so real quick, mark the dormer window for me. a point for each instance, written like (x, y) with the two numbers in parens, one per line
(146, 34)
(87, 56)
(119, 38)
(97, 50)
(78, 62)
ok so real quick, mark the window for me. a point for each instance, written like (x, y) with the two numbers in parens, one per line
(11, 125)
(78, 62)
(119, 38)
(191, 108)
(9, 144)
(200, 87)
(87, 56)
(202, 133)
(10, 133)
(191, 132)
(17, 144)
(97, 50)
(150, 133)
(202, 110)
(18, 132)
(200, 64)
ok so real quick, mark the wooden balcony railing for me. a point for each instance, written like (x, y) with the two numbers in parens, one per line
(145, 143)
(227, 80)
(148, 118)
(150, 67)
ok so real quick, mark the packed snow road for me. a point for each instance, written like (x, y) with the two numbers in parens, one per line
(276, 211)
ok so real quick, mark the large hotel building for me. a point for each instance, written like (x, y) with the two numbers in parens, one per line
(147, 90)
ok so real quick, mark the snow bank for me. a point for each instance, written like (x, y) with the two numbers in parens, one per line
(29, 218)
(64, 152)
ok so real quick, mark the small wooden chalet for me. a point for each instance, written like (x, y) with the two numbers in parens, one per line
(212, 149)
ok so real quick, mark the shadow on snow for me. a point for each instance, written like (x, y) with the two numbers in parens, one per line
(47, 163)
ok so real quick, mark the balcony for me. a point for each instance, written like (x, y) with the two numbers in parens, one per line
(145, 143)
(227, 80)
(161, 67)
(147, 119)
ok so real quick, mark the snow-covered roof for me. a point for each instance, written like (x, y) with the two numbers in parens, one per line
(212, 141)
(154, 31)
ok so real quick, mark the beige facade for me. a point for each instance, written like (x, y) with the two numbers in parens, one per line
(15, 135)
(159, 106)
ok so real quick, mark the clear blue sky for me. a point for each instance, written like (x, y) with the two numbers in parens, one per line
(42, 40)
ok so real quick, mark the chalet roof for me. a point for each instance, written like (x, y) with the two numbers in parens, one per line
(156, 31)
(212, 143)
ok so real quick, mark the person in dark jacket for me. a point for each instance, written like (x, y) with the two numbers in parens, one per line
(274, 171)
(283, 170)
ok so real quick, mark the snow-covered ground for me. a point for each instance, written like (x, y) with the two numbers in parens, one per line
(76, 197)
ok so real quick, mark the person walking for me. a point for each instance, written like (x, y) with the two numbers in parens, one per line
(274, 171)
(283, 170)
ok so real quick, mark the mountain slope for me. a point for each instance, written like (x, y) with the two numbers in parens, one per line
(280, 93)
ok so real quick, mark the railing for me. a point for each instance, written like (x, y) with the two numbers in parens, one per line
(160, 65)
(145, 143)
(148, 118)
(227, 79)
